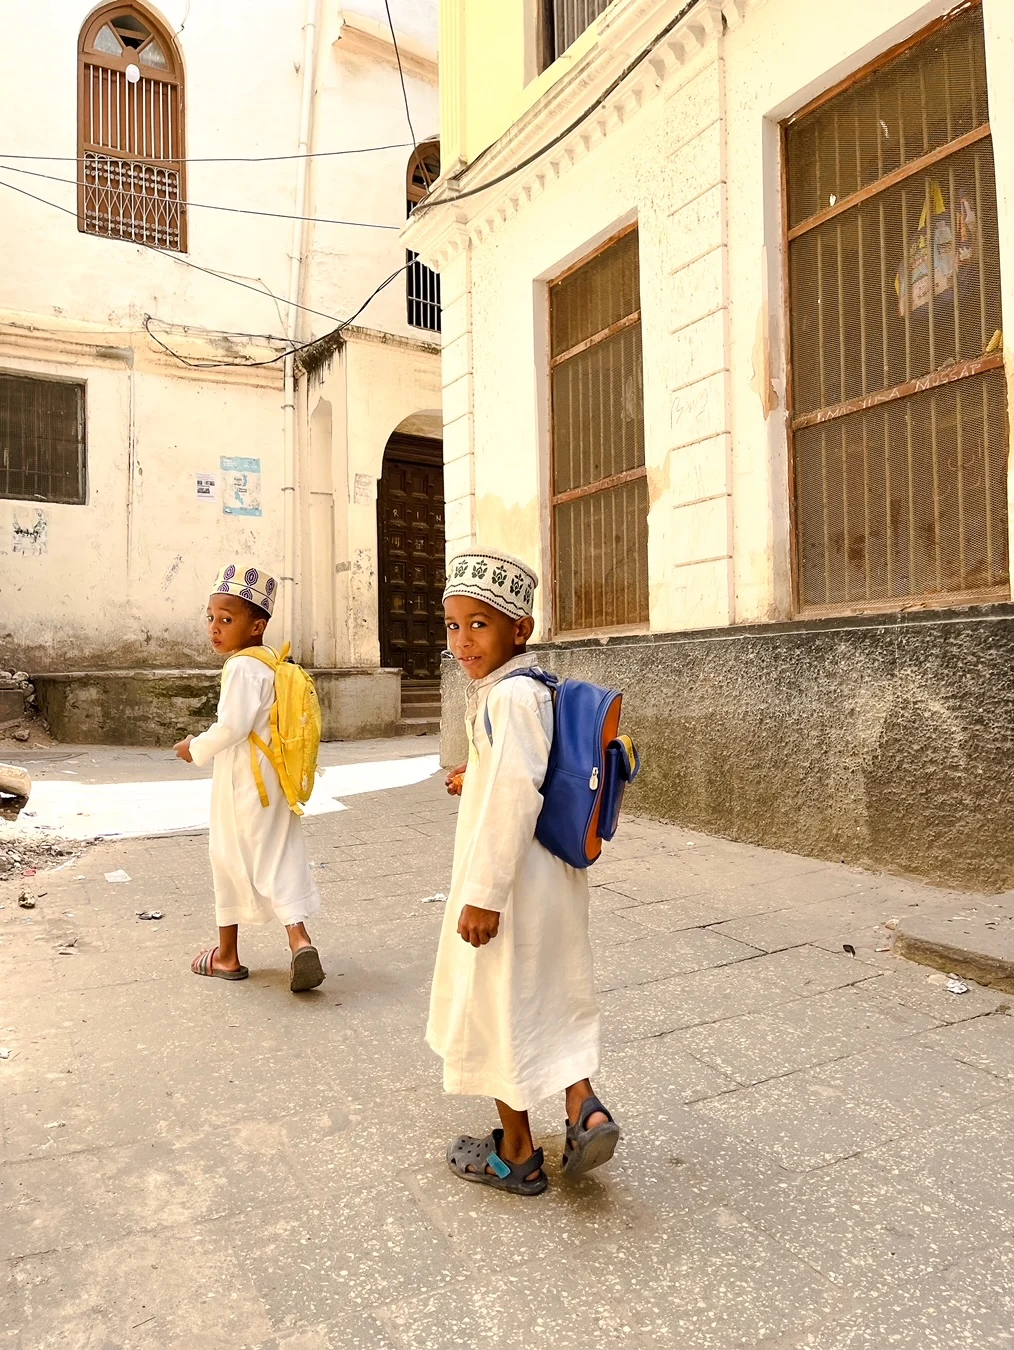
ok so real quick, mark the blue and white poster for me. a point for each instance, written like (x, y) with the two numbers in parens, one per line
(241, 486)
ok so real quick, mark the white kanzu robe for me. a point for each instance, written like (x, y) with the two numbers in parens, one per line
(258, 854)
(516, 1019)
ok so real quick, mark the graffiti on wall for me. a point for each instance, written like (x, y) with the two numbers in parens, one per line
(31, 540)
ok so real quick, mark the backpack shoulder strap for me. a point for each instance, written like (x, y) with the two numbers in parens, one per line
(552, 683)
(267, 655)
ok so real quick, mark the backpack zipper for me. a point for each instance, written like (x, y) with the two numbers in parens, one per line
(593, 782)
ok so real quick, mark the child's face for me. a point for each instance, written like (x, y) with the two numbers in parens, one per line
(481, 638)
(232, 624)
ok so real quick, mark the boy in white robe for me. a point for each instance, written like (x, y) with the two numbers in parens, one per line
(258, 854)
(512, 1009)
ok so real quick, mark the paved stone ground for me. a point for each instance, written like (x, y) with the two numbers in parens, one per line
(817, 1146)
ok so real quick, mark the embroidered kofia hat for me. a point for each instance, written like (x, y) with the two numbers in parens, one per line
(249, 583)
(504, 582)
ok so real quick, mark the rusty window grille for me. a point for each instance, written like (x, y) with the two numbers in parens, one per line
(422, 283)
(599, 480)
(898, 416)
(563, 22)
(131, 155)
(42, 439)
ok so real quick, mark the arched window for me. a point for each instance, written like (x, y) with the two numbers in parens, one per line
(423, 283)
(131, 165)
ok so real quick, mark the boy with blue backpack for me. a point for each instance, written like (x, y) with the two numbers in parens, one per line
(512, 1009)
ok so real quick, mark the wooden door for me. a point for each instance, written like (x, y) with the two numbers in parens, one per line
(410, 532)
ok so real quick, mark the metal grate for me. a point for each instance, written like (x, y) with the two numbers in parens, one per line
(423, 292)
(566, 20)
(600, 489)
(42, 439)
(131, 146)
(127, 199)
(898, 417)
(422, 283)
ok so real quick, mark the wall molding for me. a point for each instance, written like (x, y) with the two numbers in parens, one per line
(440, 232)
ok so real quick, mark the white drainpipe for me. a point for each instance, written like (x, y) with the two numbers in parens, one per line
(296, 260)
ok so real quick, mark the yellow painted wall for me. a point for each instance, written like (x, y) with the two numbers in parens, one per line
(483, 70)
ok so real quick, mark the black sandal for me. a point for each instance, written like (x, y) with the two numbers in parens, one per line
(468, 1158)
(587, 1149)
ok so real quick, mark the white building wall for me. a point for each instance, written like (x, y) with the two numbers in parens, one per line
(699, 169)
(123, 578)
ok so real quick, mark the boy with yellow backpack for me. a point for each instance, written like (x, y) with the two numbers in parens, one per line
(264, 743)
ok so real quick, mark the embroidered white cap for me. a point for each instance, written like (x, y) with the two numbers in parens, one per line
(498, 579)
(249, 583)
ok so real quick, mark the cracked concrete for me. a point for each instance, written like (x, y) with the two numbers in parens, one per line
(816, 1153)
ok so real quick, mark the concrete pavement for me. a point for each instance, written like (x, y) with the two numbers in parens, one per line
(817, 1145)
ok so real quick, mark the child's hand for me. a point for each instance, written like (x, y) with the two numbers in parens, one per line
(478, 926)
(182, 749)
(455, 779)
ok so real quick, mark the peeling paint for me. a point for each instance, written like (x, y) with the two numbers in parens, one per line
(761, 357)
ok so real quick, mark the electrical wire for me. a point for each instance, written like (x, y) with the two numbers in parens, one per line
(342, 324)
(235, 159)
(185, 262)
(205, 206)
(550, 145)
(281, 356)
(404, 94)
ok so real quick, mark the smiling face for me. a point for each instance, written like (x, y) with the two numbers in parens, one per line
(233, 623)
(481, 638)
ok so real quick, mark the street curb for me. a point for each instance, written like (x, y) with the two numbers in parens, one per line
(993, 972)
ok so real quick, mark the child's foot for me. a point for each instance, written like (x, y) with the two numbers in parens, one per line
(210, 963)
(591, 1138)
(307, 972)
(481, 1160)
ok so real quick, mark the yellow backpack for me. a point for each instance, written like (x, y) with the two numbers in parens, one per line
(295, 729)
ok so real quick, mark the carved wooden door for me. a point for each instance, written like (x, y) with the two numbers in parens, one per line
(410, 531)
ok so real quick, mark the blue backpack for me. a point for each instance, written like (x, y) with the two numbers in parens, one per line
(590, 764)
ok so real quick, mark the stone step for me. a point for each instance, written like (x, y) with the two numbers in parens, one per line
(420, 693)
(427, 710)
(418, 726)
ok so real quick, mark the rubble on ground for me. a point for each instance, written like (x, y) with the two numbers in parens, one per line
(20, 856)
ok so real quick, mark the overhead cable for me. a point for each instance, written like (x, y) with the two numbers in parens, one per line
(184, 262)
(204, 206)
(235, 159)
(281, 356)
(404, 94)
(342, 324)
(452, 196)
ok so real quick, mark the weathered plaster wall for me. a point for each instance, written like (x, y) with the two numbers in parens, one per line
(496, 419)
(244, 75)
(160, 707)
(123, 580)
(373, 385)
(878, 742)
(698, 168)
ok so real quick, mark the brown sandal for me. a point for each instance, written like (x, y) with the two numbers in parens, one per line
(307, 972)
(204, 964)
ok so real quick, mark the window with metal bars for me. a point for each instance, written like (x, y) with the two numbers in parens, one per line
(422, 283)
(898, 416)
(42, 439)
(563, 22)
(599, 481)
(131, 166)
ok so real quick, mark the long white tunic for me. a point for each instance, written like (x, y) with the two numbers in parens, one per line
(258, 854)
(516, 1019)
